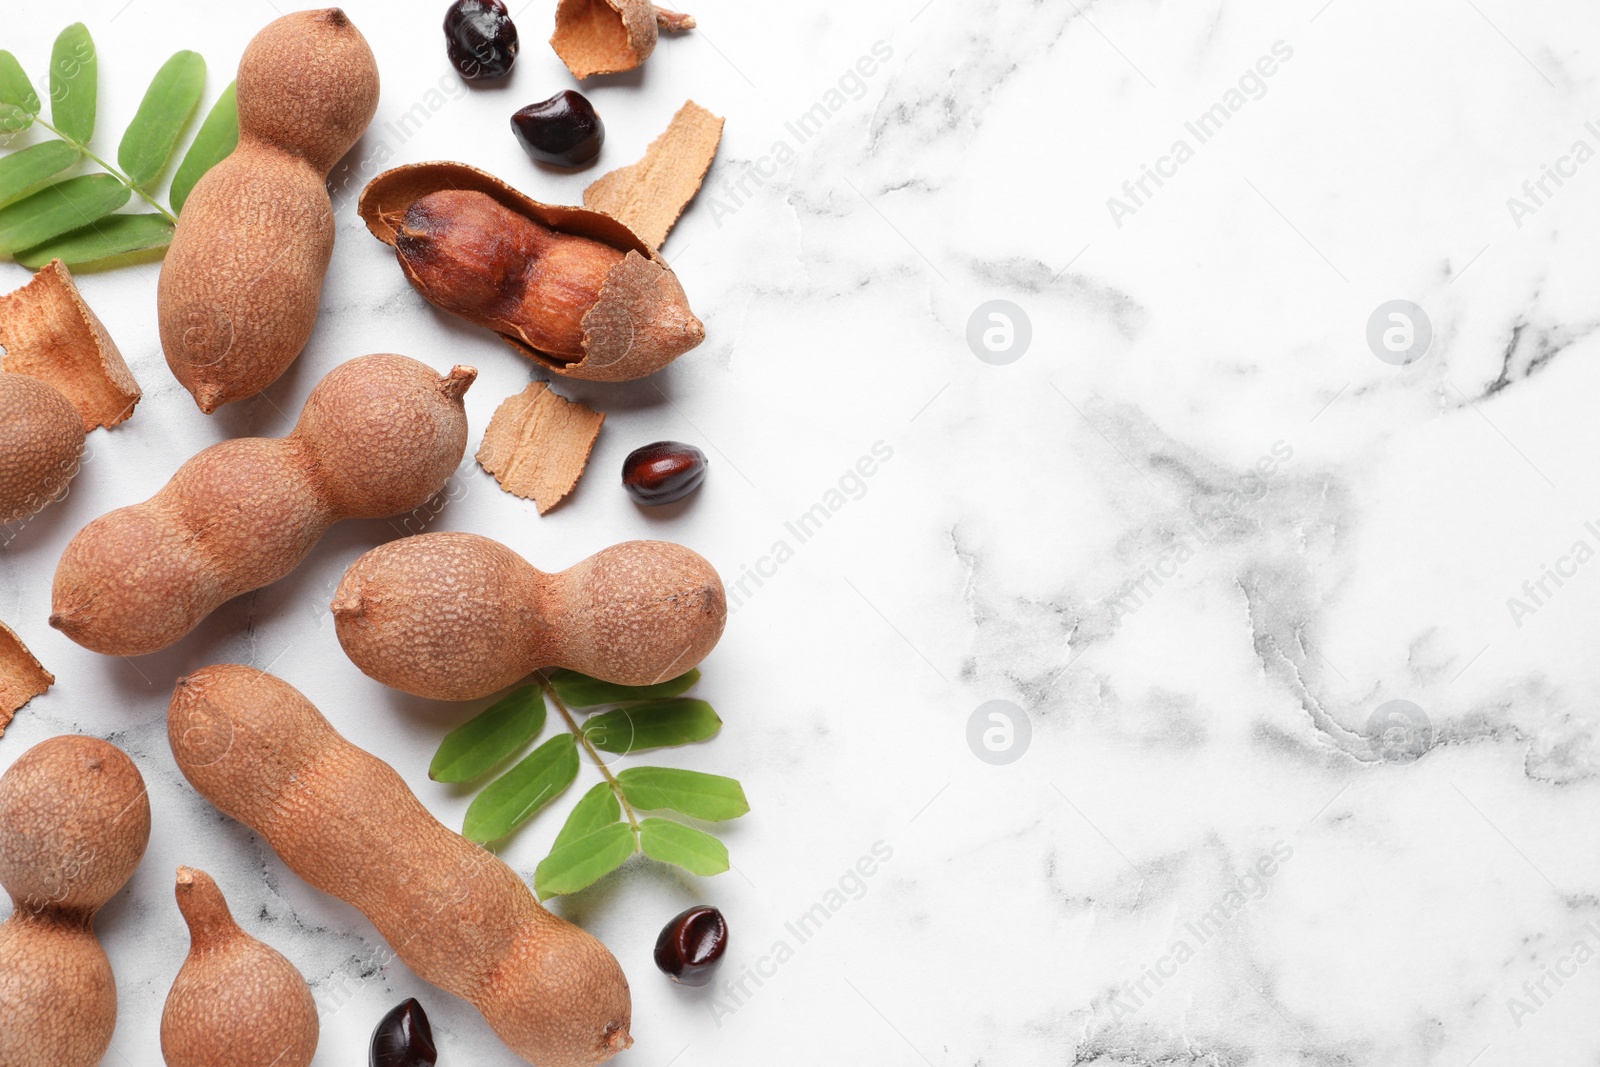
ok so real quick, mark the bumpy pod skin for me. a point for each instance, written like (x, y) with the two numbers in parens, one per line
(456, 616)
(74, 822)
(380, 435)
(41, 442)
(241, 283)
(344, 821)
(236, 1002)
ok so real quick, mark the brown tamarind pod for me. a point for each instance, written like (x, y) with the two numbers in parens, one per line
(236, 1002)
(574, 290)
(380, 435)
(347, 823)
(74, 822)
(241, 284)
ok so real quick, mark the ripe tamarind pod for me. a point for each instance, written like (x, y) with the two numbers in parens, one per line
(456, 616)
(380, 435)
(241, 283)
(74, 822)
(574, 290)
(236, 1002)
(41, 444)
(344, 821)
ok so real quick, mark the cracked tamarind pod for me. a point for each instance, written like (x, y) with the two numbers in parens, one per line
(574, 290)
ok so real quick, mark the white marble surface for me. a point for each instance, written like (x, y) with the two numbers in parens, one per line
(1179, 734)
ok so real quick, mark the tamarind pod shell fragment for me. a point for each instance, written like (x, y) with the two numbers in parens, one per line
(50, 333)
(609, 36)
(22, 676)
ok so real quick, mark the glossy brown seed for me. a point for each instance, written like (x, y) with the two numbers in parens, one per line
(663, 472)
(403, 1038)
(564, 131)
(481, 38)
(692, 944)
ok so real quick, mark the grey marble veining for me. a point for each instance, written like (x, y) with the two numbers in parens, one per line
(1295, 752)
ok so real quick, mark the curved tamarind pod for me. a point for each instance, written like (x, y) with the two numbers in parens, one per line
(74, 822)
(380, 435)
(455, 616)
(344, 821)
(241, 283)
(236, 1002)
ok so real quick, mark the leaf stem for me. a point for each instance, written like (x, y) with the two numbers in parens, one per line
(611, 779)
(113, 171)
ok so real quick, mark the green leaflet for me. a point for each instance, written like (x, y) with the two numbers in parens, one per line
(13, 119)
(59, 208)
(694, 850)
(652, 724)
(581, 691)
(700, 796)
(73, 219)
(218, 137)
(603, 828)
(18, 101)
(114, 235)
(472, 749)
(27, 171)
(514, 797)
(583, 862)
(74, 83)
(598, 808)
(151, 138)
